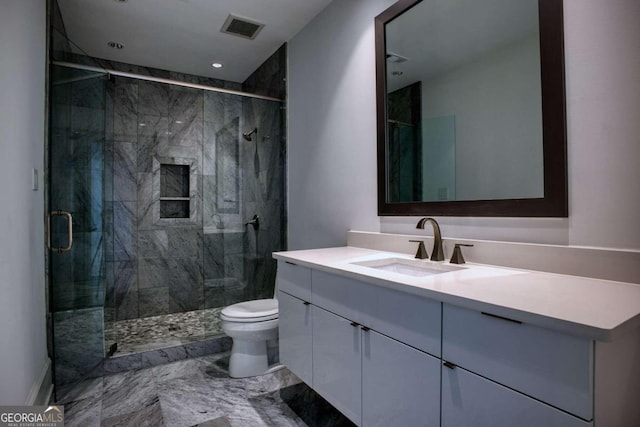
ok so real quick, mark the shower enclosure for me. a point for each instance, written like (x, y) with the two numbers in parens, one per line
(151, 189)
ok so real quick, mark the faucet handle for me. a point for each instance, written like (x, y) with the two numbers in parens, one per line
(422, 251)
(457, 257)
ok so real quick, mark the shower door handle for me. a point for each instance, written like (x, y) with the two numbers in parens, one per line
(69, 231)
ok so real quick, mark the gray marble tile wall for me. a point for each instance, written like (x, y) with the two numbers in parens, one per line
(211, 259)
(157, 261)
(144, 265)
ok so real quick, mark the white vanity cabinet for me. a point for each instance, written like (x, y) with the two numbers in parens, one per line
(482, 346)
(295, 335)
(400, 384)
(337, 352)
(374, 377)
(294, 324)
(502, 364)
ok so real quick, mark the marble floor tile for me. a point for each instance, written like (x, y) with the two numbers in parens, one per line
(83, 413)
(128, 392)
(151, 416)
(198, 392)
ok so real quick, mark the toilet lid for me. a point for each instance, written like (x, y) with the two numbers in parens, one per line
(258, 310)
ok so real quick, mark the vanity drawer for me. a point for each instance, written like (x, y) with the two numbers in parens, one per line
(407, 318)
(294, 279)
(411, 319)
(553, 367)
(339, 295)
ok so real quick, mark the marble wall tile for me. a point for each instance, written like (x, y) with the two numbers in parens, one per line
(124, 171)
(187, 133)
(124, 232)
(187, 291)
(88, 122)
(153, 301)
(214, 293)
(126, 289)
(146, 197)
(153, 126)
(213, 262)
(89, 93)
(161, 265)
(125, 106)
(270, 78)
(176, 242)
(153, 99)
(185, 104)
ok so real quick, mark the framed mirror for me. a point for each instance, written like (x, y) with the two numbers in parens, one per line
(471, 108)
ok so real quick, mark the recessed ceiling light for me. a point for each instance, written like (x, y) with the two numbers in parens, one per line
(217, 65)
(115, 45)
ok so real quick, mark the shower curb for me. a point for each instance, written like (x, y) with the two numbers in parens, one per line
(147, 359)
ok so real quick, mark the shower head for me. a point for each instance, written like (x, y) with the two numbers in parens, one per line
(247, 135)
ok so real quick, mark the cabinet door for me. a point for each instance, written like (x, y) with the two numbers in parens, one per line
(337, 374)
(400, 385)
(470, 400)
(294, 330)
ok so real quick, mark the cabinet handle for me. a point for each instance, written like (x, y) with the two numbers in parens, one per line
(306, 303)
(449, 365)
(364, 328)
(290, 263)
(355, 324)
(501, 318)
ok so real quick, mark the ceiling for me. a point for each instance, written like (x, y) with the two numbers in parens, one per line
(184, 35)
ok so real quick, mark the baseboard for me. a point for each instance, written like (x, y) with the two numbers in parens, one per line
(42, 388)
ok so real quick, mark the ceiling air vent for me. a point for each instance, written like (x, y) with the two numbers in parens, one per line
(241, 27)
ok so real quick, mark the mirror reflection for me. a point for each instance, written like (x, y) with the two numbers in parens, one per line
(464, 109)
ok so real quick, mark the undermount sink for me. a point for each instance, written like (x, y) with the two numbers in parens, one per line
(408, 267)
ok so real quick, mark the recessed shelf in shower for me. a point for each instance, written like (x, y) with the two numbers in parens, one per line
(174, 191)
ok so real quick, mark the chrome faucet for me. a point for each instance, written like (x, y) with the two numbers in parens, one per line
(438, 253)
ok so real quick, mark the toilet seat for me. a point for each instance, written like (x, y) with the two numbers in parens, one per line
(251, 311)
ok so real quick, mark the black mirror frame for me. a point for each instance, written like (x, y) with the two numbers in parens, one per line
(555, 200)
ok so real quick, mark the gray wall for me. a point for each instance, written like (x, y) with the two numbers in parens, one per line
(22, 306)
(333, 142)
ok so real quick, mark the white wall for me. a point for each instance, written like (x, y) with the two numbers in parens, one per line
(23, 352)
(332, 182)
(332, 133)
(496, 102)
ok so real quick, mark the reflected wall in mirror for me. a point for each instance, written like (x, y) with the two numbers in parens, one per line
(471, 108)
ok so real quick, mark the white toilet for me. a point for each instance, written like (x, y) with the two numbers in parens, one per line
(250, 324)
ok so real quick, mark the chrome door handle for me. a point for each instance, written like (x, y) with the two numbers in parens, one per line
(69, 231)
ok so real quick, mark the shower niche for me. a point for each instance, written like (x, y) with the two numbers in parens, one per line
(174, 191)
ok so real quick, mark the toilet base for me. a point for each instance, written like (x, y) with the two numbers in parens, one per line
(249, 359)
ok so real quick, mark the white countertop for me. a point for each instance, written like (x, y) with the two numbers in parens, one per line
(598, 309)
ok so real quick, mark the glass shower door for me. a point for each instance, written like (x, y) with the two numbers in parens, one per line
(78, 223)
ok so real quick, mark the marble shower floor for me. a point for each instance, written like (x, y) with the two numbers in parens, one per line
(167, 330)
(196, 392)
